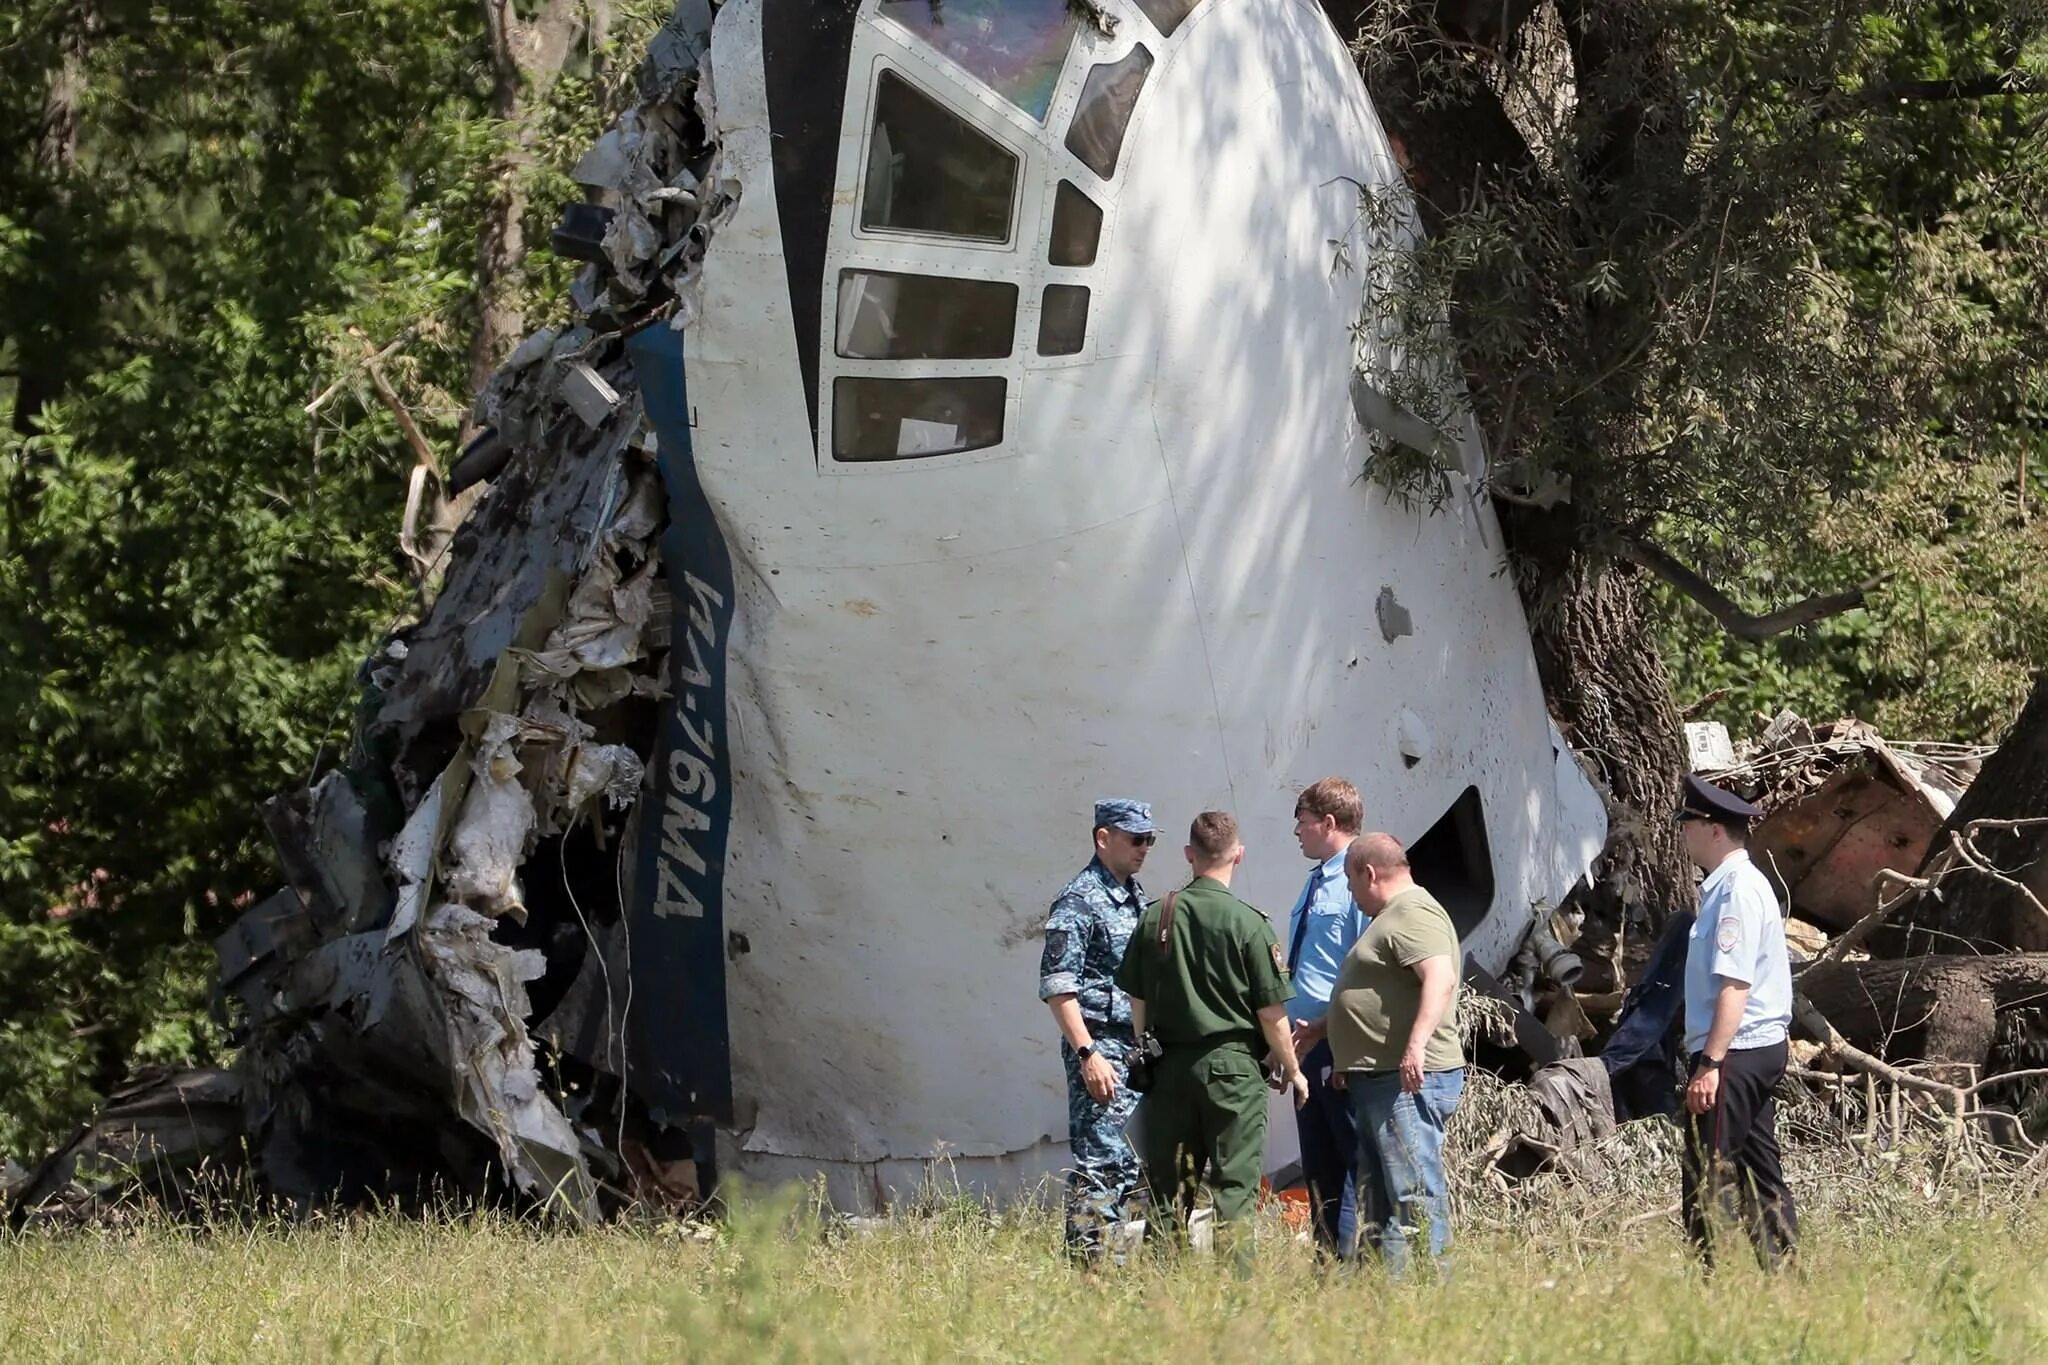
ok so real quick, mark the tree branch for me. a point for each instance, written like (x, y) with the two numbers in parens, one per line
(2012, 81)
(1737, 622)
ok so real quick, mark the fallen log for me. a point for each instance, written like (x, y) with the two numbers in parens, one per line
(1937, 1009)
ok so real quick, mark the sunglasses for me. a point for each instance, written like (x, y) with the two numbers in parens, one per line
(1141, 840)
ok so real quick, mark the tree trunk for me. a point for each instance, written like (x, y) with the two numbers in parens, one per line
(1611, 696)
(1926, 1009)
(527, 55)
(1977, 912)
(1595, 649)
(42, 364)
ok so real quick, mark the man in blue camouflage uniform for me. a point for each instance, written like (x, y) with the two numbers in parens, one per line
(1085, 936)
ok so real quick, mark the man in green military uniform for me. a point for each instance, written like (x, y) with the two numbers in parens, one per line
(1205, 977)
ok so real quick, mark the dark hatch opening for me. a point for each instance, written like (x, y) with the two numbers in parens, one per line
(1453, 861)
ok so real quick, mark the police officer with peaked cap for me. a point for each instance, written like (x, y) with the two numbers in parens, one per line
(1085, 935)
(1738, 1015)
(1206, 978)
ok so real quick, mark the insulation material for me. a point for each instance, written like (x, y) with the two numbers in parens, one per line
(489, 841)
(498, 1089)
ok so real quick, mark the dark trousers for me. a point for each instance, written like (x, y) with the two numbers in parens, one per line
(1729, 1170)
(1329, 1154)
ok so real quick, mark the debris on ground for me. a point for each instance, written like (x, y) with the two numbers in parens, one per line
(1842, 803)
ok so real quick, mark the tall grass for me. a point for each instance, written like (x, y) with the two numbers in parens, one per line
(777, 1282)
(1915, 1248)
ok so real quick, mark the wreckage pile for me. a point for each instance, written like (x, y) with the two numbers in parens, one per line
(1888, 1039)
(437, 1003)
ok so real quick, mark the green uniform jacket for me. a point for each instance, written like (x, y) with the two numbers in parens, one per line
(1224, 966)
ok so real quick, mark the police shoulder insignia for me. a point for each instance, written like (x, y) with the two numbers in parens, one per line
(1728, 934)
(1279, 962)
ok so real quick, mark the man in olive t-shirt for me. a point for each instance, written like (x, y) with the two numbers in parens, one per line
(1213, 990)
(1394, 1033)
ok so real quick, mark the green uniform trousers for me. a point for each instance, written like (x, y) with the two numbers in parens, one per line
(1203, 1122)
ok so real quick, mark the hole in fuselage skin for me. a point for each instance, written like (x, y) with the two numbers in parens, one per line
(1453, 861)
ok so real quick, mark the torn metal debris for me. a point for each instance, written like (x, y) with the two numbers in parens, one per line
(717, 796)
(1840, 804)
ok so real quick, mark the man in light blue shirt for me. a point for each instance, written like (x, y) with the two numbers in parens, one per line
(1321, 928)
(1738, 1016)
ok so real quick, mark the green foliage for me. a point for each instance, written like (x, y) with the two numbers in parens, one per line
(1748, 286)
(192, 564)
(192, 567)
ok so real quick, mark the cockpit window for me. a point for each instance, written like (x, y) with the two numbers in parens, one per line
(1015, 47)
(1107, 99)
(1076, 227)
(912, 419)
(929, 171)
(887, 316)
(1062, 319)
(1167, 14)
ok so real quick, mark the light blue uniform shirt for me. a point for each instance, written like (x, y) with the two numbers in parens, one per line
(1334, 924)
(1739, 936)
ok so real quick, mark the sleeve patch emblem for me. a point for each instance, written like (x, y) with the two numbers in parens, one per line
(1729, 934)
(1279, 962)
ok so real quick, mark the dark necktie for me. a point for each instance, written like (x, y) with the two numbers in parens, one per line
(1308, 898)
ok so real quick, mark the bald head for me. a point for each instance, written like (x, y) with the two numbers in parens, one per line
(1376, 867)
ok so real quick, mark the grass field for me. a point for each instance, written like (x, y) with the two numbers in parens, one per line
(957, 1282)
(1918, 1245)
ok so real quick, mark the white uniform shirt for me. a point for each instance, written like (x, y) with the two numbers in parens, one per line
(1739, 936)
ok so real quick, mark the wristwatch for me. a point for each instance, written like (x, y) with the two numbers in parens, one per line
(1084, 1053)
(1710, 1063)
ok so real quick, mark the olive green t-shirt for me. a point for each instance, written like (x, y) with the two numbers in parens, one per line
(1378, 994)
(1224, 967)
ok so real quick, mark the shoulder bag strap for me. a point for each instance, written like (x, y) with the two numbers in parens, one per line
(1166, 924)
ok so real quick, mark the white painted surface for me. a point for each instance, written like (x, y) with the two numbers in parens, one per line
(1162, 584)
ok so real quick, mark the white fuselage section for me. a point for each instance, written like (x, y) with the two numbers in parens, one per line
(1161, 581)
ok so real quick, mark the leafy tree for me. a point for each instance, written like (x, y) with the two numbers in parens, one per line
(1728, 292)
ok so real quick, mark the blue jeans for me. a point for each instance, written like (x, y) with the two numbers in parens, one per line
(1401, 1185)
(1329, 1154)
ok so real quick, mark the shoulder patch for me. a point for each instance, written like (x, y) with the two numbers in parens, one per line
(1279, 962)
(1728, 934)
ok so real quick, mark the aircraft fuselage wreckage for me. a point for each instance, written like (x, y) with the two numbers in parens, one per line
(957, 425)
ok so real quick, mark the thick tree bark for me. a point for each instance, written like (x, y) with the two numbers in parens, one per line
(1610, 694)
(1926, 1009)
(1977, 912)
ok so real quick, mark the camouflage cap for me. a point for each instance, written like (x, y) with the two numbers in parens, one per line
(1121, 812)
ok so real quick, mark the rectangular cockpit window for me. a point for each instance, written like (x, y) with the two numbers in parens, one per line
(1076, 226)
(912, 419)
(1062, 319)
(887, 316)
(1167, 14)
(1015, 47)
(1107, 99)
(929, 171)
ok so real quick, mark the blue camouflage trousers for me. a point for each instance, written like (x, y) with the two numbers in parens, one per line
(1105, 1171)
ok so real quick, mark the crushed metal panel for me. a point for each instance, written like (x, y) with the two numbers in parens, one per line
(1826, 849)
(154, 1136)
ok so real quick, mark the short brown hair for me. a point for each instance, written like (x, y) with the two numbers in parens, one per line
(1336, 798)
(1214, 834)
